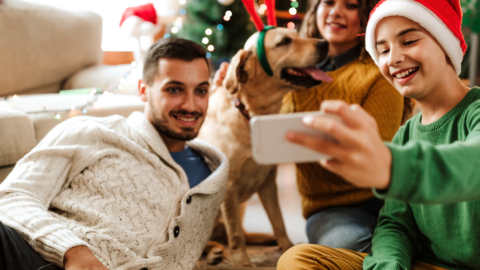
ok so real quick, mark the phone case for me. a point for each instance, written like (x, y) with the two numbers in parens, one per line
(269, 143)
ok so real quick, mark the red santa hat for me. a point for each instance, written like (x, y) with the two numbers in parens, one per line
(442, 18)
(146, 12)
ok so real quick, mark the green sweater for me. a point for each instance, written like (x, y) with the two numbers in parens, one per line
(432, 207)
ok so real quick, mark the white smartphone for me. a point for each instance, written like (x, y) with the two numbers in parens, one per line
(269, 142)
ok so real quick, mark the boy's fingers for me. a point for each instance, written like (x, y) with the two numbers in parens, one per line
(344, 110)
(324, 147)
(332, 128)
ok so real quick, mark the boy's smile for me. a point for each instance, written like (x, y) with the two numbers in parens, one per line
(409, 57)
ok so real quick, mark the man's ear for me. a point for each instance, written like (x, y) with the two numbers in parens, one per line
(236, 73)
(142, 90)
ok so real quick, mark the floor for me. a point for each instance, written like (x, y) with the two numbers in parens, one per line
(256, 220)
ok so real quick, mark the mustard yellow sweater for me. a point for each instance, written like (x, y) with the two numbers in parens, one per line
(358, 82)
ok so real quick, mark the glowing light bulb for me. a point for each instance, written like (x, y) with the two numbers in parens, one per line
(182, 2)
(226, 18)
(210, 48)
(291, 25)
(205, 40)
(208, 31)
(174, 30)
(228, 13)
(292, 11)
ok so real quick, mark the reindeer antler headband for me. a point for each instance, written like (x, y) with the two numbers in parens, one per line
(262, 56)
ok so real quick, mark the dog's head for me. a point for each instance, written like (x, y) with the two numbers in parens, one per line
(291, 58)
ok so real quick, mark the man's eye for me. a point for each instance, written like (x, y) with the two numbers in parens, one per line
(174, 90)
(202, 91)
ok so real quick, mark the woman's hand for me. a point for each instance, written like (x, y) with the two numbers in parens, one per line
(220, 75)
(358, 155)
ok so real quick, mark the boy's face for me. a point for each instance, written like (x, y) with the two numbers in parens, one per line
(409, 57)
(177, 101)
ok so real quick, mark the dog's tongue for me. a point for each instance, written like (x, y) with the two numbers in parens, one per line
(318, 74)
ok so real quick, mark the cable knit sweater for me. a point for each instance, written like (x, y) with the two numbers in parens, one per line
(111, 184)
(358, 82)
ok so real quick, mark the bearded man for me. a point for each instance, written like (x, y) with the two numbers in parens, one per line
(116, 193)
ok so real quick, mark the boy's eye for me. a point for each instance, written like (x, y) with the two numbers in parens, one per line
(384, 51)
(410, 42)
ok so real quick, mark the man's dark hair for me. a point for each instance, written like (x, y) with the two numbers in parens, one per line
(170, 48)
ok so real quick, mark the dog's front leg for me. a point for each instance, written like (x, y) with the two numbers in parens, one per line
(269, 197)
(233, 224)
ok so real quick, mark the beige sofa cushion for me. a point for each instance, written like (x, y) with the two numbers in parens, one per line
(40, 46)
(17, 135)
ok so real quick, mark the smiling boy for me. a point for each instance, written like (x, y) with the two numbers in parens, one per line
(430, 173)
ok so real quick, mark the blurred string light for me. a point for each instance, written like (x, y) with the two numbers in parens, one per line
(208, 55)
(294, 4)
(167, 35)
(174, 30)
(262, 9)
(292, 11)
(182, 2)
(182, 11)
(205, 40)
(219, 27)
(228, 15)
(291, 25)
(210, 48)
(208, 31)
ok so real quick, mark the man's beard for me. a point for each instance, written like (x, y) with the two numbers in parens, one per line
(161, 125)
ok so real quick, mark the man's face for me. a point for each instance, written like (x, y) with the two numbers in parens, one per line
(177, 101)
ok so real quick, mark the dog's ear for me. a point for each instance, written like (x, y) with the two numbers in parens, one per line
(236, 73)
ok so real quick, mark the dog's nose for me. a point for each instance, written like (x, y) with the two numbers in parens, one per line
(322, 48)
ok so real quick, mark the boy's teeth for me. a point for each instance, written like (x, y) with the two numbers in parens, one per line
(405, 73)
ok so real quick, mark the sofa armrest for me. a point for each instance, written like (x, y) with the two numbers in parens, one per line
(17, 135)
(120, 79)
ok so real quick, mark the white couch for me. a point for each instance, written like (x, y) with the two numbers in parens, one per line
(43, 50)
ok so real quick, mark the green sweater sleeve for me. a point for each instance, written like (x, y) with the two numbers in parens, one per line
(395, 239)
(426, 173)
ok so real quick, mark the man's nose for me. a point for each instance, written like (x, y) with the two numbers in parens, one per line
(189, 102)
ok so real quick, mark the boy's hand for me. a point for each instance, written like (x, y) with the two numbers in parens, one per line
(220, 75)
(359, 155)
(81, 257)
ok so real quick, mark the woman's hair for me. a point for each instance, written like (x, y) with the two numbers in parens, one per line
(309, 29)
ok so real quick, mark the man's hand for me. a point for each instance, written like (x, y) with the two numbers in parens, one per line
(220, 75)
(358, 155)
(80, 257)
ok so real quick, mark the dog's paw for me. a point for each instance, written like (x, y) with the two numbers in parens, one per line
(215, 256)
(240, 258)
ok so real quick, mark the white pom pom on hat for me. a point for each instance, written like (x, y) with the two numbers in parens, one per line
(442, 18)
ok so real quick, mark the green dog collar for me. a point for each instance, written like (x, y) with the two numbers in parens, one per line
(262, 56)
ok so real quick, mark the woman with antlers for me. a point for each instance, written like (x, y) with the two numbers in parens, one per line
(338, 214)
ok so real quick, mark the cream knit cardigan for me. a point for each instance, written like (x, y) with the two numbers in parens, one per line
(111, 184)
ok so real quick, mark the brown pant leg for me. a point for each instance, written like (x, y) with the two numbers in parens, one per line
(317, 257)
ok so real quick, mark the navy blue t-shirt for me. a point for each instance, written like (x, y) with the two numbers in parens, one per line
(193, 164)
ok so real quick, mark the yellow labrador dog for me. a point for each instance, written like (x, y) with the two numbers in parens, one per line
(247, 91)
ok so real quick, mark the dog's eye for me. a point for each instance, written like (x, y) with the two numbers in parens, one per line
(284, 41)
